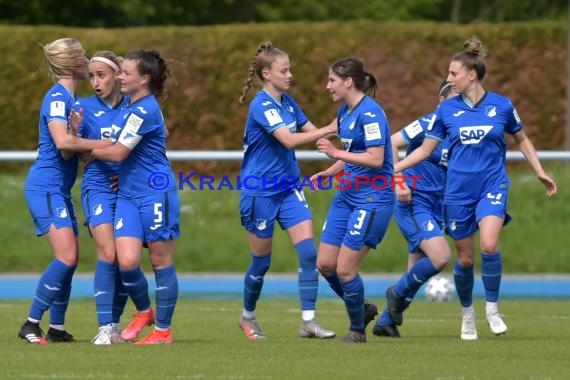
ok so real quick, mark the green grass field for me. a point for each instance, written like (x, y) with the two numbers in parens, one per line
(209, 345)
(213, 239)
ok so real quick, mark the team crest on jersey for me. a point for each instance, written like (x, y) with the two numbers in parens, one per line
(491, 111)
(473, 135)
(351, 125)
(346, 143)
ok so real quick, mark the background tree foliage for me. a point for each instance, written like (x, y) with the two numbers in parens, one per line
(128, 13)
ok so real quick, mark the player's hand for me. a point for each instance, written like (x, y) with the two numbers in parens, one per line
(326, 147)
(74, 119)
(403, 192)
(318, 180)
(549, 183)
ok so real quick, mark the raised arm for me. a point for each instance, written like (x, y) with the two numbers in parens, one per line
(308, 134)
(418, 155)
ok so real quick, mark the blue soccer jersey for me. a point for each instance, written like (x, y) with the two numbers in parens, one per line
(97, 124)
(359, 129)
(146, 170)
(50, 172)
(429, 174)
(476, 142)
(268, 166)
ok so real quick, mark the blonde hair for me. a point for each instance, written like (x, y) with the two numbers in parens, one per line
(64, 57)
(264, 57)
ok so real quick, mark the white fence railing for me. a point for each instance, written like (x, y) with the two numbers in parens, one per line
(236, 155)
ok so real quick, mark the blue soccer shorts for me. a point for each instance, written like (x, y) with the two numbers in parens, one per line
(356, 226)
(49, 208)
(150, 218)
(98, 207)
(258, 214)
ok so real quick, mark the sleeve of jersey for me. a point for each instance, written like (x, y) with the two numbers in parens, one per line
(436, 128)
(268, 118)
(131, 134)
(413, 132)
(375, 131)
(55, 109)
(514, 123)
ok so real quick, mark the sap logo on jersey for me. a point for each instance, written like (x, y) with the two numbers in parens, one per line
(474, 135)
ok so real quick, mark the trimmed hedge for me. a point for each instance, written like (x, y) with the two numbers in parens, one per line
(526, 62)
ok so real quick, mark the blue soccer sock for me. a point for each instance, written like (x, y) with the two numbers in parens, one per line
(120, 296)
(61, 301)
(414, 278)
(308, 277)
(104, 290)
(166, 295)
(491, 273)
(354, 302)
(334, 283)
(49, 285)
(385, 318)
(253, 281)
(464, 280)
(137, 287)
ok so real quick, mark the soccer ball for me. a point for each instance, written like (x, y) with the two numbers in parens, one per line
(439, 288)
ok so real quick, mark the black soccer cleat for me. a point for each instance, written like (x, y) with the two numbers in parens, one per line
(32, 333)
(59, 336)
(386, 330)
(395, 306)
(370, 311)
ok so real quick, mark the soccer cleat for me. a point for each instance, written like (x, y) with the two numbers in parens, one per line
(370, 311)
(496, 323)
(251, 328)
(395, 306)
(108, 334)
(59, 336)
(354, 337)
(386, 330)
(312, 329)
(139, 322)
(32, 333)
(468, 326)
(157, 337)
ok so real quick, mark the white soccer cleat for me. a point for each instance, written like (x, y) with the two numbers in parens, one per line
(108, 334)
(312, 329)
(469, 326)
(103, 337)
(496, 323)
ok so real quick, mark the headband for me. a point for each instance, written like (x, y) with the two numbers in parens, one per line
(444, 88)
(107, 61)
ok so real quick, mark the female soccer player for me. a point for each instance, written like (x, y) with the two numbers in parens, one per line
(48, 189)
(419, 214)
(98, 195)
(474, 124)
(275, 126)
(148, 207)
(361, 210)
